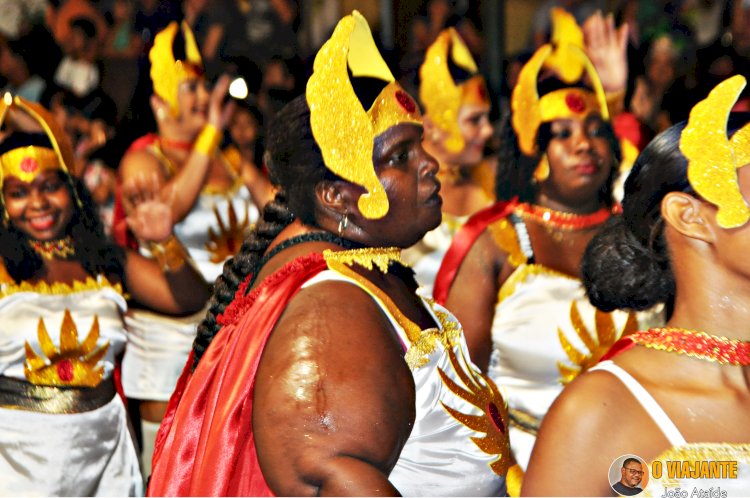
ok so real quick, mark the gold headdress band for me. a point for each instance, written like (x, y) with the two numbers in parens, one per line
(27, 162)
(166, 72)
(440, 95)
(713, 159)
(529, 110)
(343, 129)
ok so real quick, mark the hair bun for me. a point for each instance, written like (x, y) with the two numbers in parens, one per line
(619, 272)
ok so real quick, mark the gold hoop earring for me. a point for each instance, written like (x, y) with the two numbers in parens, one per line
(541, 172)
(343, 223)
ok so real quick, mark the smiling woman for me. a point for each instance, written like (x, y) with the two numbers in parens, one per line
(318, 370)
(59, 276)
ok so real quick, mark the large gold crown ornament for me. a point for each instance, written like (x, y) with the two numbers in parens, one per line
(167, 72)
(441, 96)
(27, 162)
(74, 364)
(565, 56)
(343, 129)
(713, 159)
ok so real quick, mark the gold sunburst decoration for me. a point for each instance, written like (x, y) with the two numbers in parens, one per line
(74, 364)
(480, 391)
(228, 240)
(596, 343)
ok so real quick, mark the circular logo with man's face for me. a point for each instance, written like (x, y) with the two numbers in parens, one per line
(628, 475)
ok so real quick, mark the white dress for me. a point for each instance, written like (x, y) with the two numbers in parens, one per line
(160, 344)
(682, 451)
(544, 333)
(440, 458)
(426, 256)
(53, 448)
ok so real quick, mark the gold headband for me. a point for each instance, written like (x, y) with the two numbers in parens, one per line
(343, 129)
(713, 159)
(166, 72)
(440, 95)
(27, 162)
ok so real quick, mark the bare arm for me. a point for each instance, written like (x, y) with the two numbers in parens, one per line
(473, 296)
(335, 398)
(593, 422)
(175, 287)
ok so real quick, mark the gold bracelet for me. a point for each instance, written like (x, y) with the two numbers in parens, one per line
(208, 140)
(170, 254)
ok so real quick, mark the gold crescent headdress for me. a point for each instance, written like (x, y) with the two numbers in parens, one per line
(27, 162)
(440, 95)
(713, 159)
(166, 72)
(343, 129)
(567, 58)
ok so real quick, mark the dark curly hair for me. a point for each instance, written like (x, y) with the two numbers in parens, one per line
(95, 252)
(626, 265)
(515, 170)
(295, 166)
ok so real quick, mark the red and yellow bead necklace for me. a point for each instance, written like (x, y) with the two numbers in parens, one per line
(696, 344)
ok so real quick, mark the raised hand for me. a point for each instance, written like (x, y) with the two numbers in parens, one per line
(607, 48)
(150, 218)
(219, 111)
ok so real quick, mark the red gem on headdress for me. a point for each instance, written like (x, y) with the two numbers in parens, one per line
(65, 370)
(29, 165)
(497, 420)
(575, 103)
(405, 101)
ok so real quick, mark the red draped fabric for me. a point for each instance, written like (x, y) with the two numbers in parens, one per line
(462, 243)
(205, 445)
(620, 346)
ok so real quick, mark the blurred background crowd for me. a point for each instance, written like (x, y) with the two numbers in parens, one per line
(86, 60)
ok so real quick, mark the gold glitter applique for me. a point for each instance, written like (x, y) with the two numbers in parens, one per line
(89, 284)
(166, 72)
(369, 258)
(596, 344)
(74, 364)
(712, 158)
(227, 242)
(480, 391)
(438, 92)
(342, 128)
(447, 335)
(506, 239)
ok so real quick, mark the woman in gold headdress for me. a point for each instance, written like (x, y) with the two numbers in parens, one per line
(63, 429)
(211, 206)
(318, 370)
(677, 394)
(457, 107)
(512, 272)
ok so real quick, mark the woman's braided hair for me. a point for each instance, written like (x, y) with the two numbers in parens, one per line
(295, 166)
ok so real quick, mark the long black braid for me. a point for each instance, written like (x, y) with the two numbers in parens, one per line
(295, 166)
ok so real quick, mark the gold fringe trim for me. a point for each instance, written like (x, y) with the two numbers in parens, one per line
(524, 272)
(61, 288)
(506, 239)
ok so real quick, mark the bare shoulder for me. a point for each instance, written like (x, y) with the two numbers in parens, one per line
(594, 421)
(332, 382)
(139, 162)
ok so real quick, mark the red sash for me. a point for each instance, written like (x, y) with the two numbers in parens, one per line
(205, 445)
(462, 243)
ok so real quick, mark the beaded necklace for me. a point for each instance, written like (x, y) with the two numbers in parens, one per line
(49, 249)
(559, 220)
(695, 343)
